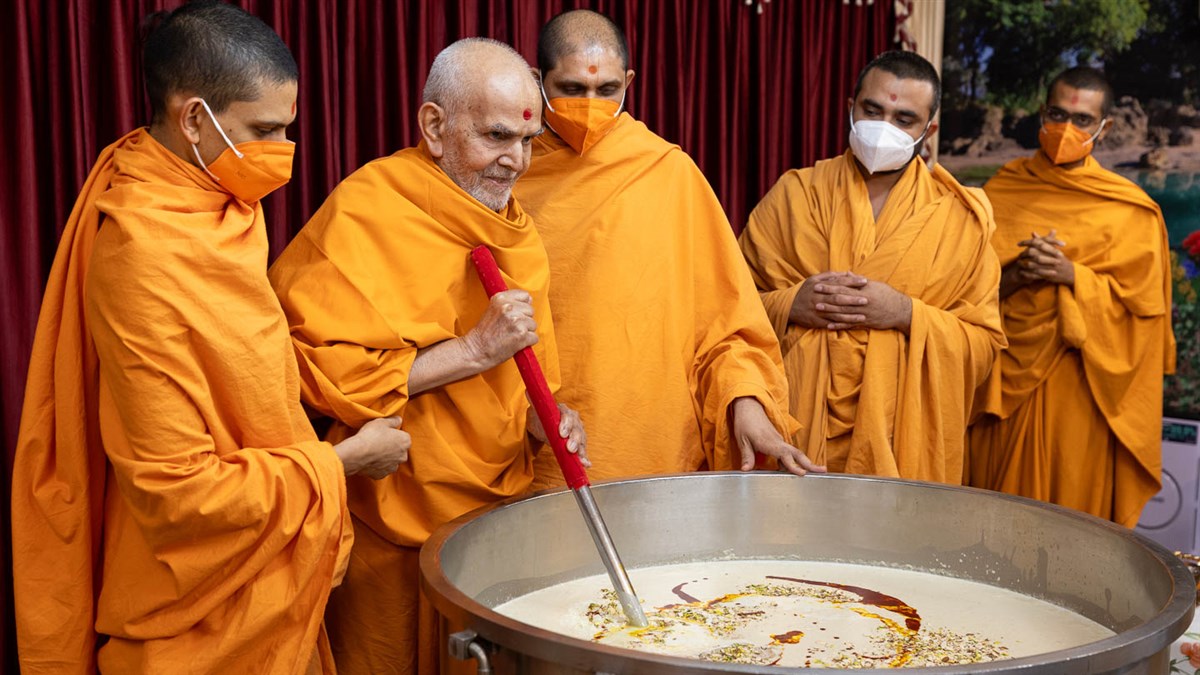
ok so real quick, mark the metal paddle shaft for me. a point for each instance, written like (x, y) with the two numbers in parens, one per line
(547, 411)
(608, 553)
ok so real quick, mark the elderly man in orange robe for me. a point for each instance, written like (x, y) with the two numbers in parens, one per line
(663, 343)
(1075, 403)
(173, 510)
(879, 277)
(389, 318)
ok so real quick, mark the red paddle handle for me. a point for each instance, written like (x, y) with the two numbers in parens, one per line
(535, 381)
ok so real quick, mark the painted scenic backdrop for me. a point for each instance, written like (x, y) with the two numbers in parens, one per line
(999, 56)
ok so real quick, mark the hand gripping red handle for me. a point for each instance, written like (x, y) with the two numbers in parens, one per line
(535, 381)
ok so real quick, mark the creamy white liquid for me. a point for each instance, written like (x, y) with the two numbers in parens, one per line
(856, 616)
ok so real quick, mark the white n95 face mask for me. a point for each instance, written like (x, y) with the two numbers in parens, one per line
(882, 146)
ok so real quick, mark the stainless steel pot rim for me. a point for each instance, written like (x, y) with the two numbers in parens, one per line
(1142, 641)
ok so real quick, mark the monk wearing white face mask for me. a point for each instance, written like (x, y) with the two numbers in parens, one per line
(878, 277)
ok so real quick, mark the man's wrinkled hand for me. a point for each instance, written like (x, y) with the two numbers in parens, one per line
(506, 327)
(753, 431)
(570, 427)
(376, 450)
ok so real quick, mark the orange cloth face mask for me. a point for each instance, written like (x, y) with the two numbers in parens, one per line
(251, 170)
(581, 122)
(1064, 142)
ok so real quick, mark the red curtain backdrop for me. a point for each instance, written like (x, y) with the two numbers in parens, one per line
(748, 94)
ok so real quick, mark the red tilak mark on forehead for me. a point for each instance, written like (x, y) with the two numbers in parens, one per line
(527, 114)
(592, 69)
(893, 97)
(1074, 98)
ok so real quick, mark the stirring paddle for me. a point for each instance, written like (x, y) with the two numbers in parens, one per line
(572, 469)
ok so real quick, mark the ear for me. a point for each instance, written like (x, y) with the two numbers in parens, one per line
(433, 121)
(188, 113)
(1108, 124)
(629, 77)
(537, 75)
(850, 105)
(932, 130)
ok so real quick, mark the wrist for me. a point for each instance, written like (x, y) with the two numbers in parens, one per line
(742, 406)
(346, 452)
(1010, 280)
(796, 313)
(473, 353)
(1011, 275)
(904, 320)
(533, 426)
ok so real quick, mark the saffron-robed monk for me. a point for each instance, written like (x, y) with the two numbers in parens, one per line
(881, 282)
(671, 358)
(173, 510)
(1074, 407)
(389, 318)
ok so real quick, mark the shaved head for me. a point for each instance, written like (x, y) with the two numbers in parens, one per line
(463, 70)
(579, 30)
(905, 66)
(212, 50)
(1082, 77)
(481, 110)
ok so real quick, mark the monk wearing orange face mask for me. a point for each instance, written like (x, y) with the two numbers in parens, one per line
(1074, 407)
(665, 349)
(172, 509)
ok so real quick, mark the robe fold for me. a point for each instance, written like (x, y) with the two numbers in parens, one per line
(1075, 403)
(657, 321)
(171, 501)
(381, 271)
(877, 401)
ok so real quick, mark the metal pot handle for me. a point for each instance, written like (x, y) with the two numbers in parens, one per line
(466, 645)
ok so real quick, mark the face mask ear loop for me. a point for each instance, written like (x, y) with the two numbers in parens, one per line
(1103, 122)
(545, 99)
(622, 103)
(219, 130)
(922, 136)
(204, 166)
(545, 121)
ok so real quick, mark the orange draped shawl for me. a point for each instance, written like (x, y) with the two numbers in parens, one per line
(381, 271)
(877, 401)
(658, 323)
(210, 538)
(1112, 330)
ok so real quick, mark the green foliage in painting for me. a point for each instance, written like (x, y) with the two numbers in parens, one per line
(1005, 52)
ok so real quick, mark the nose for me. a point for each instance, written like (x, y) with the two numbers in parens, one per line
(515, 158)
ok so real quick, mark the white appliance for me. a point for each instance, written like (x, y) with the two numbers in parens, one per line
(1171, 517)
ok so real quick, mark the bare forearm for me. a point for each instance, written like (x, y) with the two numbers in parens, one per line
(443, 363)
